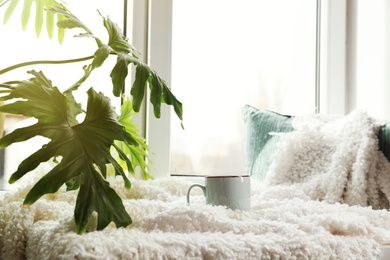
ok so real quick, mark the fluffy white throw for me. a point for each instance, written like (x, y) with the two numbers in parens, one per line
(335, 159)
(279, 226)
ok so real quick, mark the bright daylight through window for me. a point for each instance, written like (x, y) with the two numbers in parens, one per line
(226, 54)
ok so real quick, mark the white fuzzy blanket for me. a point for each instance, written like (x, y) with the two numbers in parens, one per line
(335, 159)
(279, 226)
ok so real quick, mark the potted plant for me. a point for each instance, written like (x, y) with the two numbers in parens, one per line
(82, 150)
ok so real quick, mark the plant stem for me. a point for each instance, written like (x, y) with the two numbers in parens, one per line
(23, 64)
(4, 3)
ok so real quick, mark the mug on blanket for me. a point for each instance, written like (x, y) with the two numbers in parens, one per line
(233, 192)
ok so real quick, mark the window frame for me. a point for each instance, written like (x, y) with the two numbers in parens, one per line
(152, 33)
(336, 73)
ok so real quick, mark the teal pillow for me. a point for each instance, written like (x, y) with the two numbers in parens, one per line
(384, 140)
(259, 144)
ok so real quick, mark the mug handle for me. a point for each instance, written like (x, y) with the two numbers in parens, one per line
(190, 188)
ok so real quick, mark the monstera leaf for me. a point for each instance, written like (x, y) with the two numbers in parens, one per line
(83, 148)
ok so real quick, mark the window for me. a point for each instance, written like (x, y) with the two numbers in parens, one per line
(352, 72)
(354, 48)
(239, 52)
(372, 89)
(225, 54)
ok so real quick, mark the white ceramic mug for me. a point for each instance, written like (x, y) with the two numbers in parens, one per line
(231, 191)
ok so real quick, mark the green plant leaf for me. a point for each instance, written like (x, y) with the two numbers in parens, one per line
(11, 8)
(39, 10)
(84, 148)
(144, 75)
(42, 101)
(69, 21)
(96, 195)
(119, 74)
(41, 7)
(101, 55)
(50, 24)
(116, 40)
(60, 31)
(26, 13)
(134, 155)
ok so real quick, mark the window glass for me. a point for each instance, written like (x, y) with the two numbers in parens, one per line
(372, 57)
(17, 46)
(229, 53)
